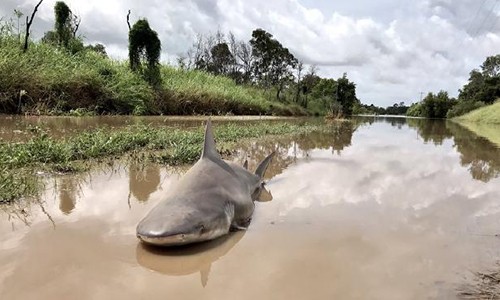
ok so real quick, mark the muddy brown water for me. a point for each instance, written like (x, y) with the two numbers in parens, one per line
(373, 209)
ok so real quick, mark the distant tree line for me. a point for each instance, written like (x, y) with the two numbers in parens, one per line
(396, 109)
(482, 88)
(264, 62)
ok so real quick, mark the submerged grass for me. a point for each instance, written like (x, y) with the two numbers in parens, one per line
(15, 185)
(485, 285)
(171, 146)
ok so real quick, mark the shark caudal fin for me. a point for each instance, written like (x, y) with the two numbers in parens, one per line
(209, 150)
(261, 169)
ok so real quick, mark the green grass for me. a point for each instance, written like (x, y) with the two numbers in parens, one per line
(200, 92)
(49, 80)
(15, 185)
(165, 145)
(484, 122)
(488, 114)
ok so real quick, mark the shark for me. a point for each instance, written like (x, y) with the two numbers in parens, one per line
(213, 198)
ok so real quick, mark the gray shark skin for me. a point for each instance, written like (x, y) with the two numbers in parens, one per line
(212, 198)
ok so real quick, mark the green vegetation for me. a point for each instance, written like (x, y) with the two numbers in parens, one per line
(482, 88)
(484, 122)
(268, 65)
(488, 114)
(61, 75)
(433, 106)
(143, 41)
(15, 185)
(166, 145)
(50, 81)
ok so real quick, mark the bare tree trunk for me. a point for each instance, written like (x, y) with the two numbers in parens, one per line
(300, 67)
(77, 24)
(28, 25)
(128, 20)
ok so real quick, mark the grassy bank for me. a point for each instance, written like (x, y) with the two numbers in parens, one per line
(484, 122)
(171, 146)
(487, 115)
(48, 80)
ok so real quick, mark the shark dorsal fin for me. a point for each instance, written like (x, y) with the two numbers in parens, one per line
(261, 169)
(209, 150)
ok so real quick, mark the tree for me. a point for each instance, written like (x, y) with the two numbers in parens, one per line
(272, 61)
(28, 25)
(309, 82)
(300, 68)
(98, 48)
(65, 29)
(145, 44)
(483, 85)
(432, 106)
(245, 61)
(346, 94)
(63, 23)
(221, 59)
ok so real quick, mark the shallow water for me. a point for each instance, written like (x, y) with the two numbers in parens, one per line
(17, 128)
(375, 209)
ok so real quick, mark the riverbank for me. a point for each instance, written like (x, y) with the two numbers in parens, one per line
(42, 154)
(486, 115)
(50, 81)
(484, 122)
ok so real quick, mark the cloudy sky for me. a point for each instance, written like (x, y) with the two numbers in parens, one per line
(391, 49)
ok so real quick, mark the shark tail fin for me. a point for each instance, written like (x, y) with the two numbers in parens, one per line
(261, 169)
(209, 150)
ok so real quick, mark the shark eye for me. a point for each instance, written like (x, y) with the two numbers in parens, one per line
(201, 227)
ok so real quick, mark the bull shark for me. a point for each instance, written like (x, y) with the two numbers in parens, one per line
(212, 198)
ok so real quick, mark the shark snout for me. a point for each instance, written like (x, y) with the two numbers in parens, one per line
(153, 234)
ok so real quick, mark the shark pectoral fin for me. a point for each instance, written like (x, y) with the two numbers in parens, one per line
(261, 169)
(204, 272)
(245, 164)
(264, 196)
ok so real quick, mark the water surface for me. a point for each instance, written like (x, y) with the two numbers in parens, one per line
(373, 209)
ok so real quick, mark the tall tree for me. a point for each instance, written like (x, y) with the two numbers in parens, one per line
(144, 42)
(346, 94)
(272, 62)
(484, 84)
(221, 59)
(63, 23)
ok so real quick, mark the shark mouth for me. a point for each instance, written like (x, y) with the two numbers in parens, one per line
(170, 240)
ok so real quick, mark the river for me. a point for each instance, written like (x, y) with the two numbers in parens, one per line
(377, 208)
